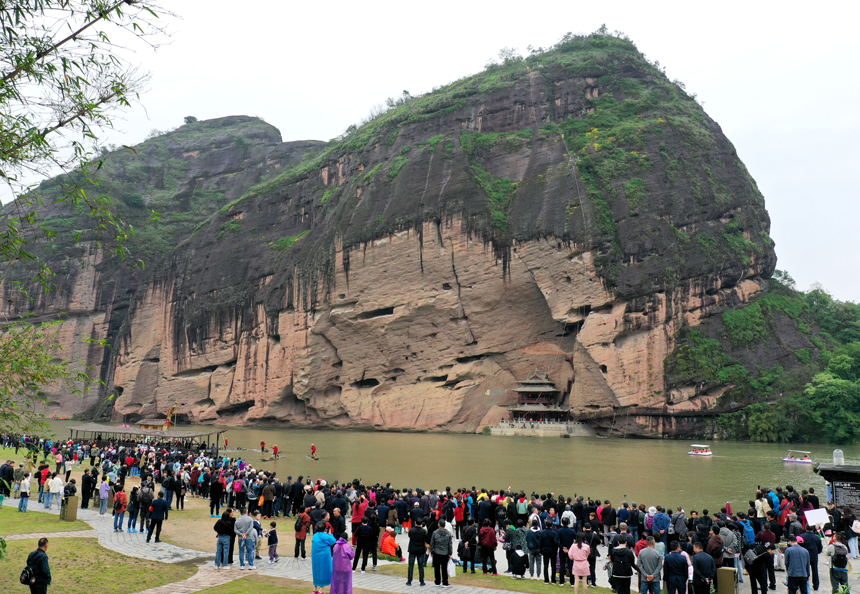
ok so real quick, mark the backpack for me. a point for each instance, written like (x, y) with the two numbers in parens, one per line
(28, 576)
(237, 486)
(718, 552)
(649, 522)
(840, 556)
(117, 505)
(146, 495)
(748, 534)
(299, 523)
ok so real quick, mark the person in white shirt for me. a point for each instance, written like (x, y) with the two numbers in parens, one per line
(25, 493)
(55, 487)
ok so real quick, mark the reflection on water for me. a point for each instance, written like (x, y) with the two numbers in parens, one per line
(649, 471)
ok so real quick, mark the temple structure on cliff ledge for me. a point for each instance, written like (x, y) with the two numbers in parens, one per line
(540, 412)
(538, 401)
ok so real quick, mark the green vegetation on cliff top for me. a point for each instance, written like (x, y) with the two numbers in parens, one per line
(144, 184)
(607, 138)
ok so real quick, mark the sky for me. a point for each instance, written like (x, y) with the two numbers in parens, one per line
(780, 78)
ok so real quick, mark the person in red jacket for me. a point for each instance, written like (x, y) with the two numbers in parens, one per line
(275, 451)
(120, 504)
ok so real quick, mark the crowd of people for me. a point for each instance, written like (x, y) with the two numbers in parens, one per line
(542, 536)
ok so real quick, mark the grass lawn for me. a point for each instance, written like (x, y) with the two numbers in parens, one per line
(82, 566)
(265, 583)
(14, 522)
(479, 580)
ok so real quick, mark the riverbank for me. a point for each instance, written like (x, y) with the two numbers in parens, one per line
(614, 469)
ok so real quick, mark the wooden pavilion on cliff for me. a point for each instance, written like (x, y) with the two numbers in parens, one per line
(538, 401)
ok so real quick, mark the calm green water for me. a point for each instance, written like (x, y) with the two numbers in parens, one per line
(647, 471)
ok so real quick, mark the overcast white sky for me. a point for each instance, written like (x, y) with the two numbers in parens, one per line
(780, 78)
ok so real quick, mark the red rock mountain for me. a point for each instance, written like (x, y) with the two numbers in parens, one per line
(574, 212)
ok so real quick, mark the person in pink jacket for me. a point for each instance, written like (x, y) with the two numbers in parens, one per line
(579, 554)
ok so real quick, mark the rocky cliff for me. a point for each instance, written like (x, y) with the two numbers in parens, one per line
(574, 211)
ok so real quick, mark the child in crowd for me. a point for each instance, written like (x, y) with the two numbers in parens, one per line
(272, 536)
(258, 527)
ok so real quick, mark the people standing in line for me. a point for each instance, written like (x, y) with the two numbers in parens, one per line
(53, 488)
(418, 552)
(837, 556)
(566, 538)
(608, 517)
(133, 509)
(488, 542)
(321, 557)
(623, 563)
(216, 493)
(145, 499)
(341, 574)
(39, 564)
(704, 569)
(87, 487)
(676, 570)
(157, 515)
(580, 571)
(650, 568)
(272, 542)
(533, 547)
(24, 493)
(364, 538)
(549, 552)
(796, 567)
(592, 540)
(120, 504)
(223, 529)
(104, 494)
(810, 541)
(851, 528)
(303, 523)
(757, 567)
(258, 529)
(247, 537)
(442, 549)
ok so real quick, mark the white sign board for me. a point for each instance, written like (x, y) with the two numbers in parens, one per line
(816, 517)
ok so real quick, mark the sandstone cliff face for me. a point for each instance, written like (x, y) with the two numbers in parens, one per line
(575, 212)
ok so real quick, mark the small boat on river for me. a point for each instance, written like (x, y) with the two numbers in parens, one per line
(797, 457)
(700, 450)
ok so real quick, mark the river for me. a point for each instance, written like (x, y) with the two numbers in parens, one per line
(655, 472)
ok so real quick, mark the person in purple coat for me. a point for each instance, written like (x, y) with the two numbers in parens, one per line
(341, 577)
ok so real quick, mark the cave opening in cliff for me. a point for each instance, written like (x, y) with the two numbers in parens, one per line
(366, 383)
(375, 313)
(571, 328)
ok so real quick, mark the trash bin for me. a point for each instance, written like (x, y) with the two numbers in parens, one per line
(69, 508)
(727, 580)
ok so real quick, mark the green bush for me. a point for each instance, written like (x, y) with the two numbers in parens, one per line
(396, 165)
(285, 243)
(232, 226)
(634, 188)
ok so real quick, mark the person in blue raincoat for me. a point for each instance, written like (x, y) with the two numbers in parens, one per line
(321, 557)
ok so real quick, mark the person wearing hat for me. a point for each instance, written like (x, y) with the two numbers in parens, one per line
(797, 566)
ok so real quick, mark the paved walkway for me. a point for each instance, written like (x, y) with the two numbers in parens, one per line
(73, 534)
(134, 545)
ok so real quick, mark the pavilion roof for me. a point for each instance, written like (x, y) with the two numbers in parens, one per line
(131, 431)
